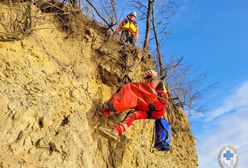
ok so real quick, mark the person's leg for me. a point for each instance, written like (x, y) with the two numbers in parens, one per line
(130, 117)
(107, 111)
(121, 127)
(132, 40)
(123, 37)
(129, 40)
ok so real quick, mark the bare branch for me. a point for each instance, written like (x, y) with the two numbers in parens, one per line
(109, 25)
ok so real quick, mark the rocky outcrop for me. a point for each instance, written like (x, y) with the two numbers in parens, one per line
(51, 88)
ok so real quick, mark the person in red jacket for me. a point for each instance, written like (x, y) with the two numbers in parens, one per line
(153, 110)
(129, 29)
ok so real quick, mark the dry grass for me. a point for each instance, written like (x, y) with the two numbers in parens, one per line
(70, 18)
(22, 19)
(18, 23)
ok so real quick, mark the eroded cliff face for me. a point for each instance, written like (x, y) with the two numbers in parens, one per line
(51, 88)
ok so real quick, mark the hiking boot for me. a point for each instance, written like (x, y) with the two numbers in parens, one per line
(109, 132)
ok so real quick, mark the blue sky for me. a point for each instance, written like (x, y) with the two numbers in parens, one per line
(213, 36)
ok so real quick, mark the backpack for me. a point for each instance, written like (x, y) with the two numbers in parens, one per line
(162, 135)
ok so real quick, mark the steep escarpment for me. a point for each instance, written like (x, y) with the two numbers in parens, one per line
(51, 88)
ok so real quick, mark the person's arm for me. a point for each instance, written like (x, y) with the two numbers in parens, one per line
(117, 30)
(154, 83)
(137, 33)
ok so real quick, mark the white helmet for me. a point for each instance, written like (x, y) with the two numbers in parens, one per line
(150, 73)
(132, 14)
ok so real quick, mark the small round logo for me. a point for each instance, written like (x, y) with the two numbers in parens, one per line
(228, 157)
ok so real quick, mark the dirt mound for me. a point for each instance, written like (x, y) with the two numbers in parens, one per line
(51, 87)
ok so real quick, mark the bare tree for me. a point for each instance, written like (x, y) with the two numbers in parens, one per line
(164, 11)
(114, 13)
(105, 10)
(160, 60)
(110, 25)
(189, 88)
(109, 9)
(148, 27)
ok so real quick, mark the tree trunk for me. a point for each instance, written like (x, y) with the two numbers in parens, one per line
(115, 16)
(148, 21)
(29, 20)
(31, 13)
(160, 60)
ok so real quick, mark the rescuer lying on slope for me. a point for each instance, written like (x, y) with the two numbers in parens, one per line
(147, 101)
